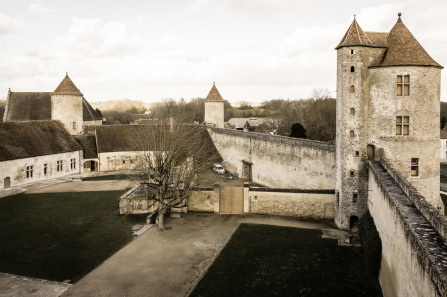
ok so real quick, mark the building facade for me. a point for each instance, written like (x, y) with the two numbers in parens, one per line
(388, 94)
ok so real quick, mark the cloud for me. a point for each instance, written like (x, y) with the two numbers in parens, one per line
(267, 8)
(87, 38)
(5, 24)
(198, 6)
(38, 9)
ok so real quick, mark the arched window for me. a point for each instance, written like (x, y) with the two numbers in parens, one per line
(351, 133)
(352, 69)
(352, 111)
(351, 88)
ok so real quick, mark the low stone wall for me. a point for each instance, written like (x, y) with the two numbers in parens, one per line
(413, 253)
(204, 200)
(306, 204)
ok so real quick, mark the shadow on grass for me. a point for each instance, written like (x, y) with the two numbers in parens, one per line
(60, 236)
(264, 260)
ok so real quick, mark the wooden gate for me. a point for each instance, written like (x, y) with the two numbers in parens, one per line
(231, 200)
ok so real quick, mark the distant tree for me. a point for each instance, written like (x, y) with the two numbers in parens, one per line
(98, 112)
(298, 131)
(2, 109)
(321, 93)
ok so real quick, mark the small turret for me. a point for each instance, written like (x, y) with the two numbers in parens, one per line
(214, 108)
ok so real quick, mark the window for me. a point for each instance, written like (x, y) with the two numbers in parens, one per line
(351, 133)
(72, 163)
(74, 125)
(352, 52)
(29, 171)
(414, 167)
(357, 153)
(403, 85)
(59, 166)
(45, 169)
(124, 161)
(402, 125)
(352, 69)
(351, 88)
(352, 111)
(354, 197)
(352, 173)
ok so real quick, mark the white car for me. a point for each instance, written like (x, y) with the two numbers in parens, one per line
(218, 168)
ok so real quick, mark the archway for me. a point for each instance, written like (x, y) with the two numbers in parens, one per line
(7, 182)
(353, 222)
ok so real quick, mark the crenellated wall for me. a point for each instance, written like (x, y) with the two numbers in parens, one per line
(276, 161)
(414, 253)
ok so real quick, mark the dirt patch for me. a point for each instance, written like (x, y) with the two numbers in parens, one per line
(85, 186)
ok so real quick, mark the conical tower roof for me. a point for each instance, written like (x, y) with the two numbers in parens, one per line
(67, 87)
(403, 50)
(355, 36)
(214, 95)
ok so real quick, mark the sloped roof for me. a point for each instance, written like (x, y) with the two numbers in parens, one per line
(88, 113)
(355, 36)
(403, 50)
(88, 144)
(67, 87)
(239, 123)
(379, 39)
(127, 138)
(31, 139)
(443, 134)
(214, 95)
(26, 106)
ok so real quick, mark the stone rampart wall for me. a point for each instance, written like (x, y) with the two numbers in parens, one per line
(413, 253)
(277, 161)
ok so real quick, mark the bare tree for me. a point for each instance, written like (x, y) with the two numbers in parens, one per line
(171, 156)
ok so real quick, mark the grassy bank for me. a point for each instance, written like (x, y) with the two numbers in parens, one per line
(60, 236)
(264, 260)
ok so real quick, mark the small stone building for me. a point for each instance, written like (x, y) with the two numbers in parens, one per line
(388, 94)
(214, 108)
(66, 104)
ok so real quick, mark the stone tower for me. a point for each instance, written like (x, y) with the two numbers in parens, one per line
(388, 92)
(214, 108)
(66, 106)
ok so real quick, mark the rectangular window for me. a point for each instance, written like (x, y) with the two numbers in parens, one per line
(72, 163)
(402, 125)
(29, 171)
(403, 85)
(352, 173)
(414, 167)
(59, 166)
(354, 197)
(45, 169)
(74, 125)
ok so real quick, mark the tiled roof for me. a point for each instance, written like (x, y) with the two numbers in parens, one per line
(379, 39)
(88, 113)
(29, 106)
(403, 50)
(67, 87)
(355, 36)
(88, 143)
(443, 134)
(214, 95)
(31, 139)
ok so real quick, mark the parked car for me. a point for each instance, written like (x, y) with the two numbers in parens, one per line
(218, 168)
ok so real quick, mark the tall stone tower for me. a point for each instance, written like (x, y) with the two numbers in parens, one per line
(388, 92)
(66, 106)
(214, 108)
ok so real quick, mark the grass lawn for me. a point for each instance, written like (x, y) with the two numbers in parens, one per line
(60, 236)
(264, 260)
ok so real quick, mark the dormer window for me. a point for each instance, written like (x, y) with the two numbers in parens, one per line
(403, 85)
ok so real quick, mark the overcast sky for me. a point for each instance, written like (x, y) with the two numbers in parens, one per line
(148, 50)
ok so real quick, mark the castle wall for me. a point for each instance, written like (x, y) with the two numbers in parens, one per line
(214, 113)
(16, 169)
(412, 251)
(119, 161)
(68, 110)
(275, 161)
(422, 107)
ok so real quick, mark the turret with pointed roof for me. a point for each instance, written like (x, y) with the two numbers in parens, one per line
(403, 50)
(355, 36)
(214, 108)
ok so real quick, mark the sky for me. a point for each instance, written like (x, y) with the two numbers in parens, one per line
(150, 50)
